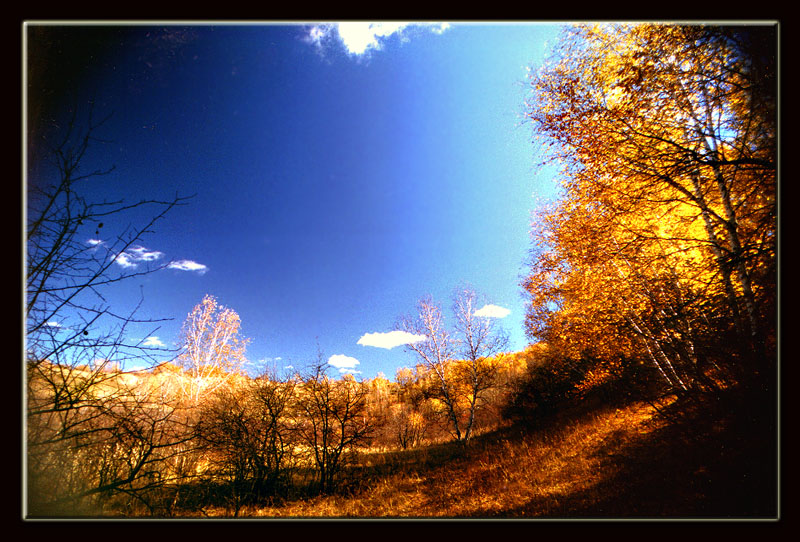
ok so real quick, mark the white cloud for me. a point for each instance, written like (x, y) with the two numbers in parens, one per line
(133, 255)
(390, 340)
(53, 324)
(359, 37)
(345, 364)
(492, 311)
(143, 255)
(124, 260)
(153, 341)
(188, 265)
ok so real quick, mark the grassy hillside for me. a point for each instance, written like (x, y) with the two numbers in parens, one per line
(637, 460)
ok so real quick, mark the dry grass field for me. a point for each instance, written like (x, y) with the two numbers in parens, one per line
(633, 461)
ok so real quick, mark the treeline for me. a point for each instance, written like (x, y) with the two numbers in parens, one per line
(104, 442)
(139, 444)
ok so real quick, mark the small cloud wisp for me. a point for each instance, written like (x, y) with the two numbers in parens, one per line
(188, 265)
(154, 342)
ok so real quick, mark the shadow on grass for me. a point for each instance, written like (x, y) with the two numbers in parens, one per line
(716, 459)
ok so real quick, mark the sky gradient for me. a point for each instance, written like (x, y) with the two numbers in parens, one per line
(340, 173)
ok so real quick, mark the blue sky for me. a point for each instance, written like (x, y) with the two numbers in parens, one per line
(340, 174)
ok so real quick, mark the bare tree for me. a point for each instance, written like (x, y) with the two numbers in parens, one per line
(436, 353)
(248, 437)
(456, 362)
(75, 342)
(69, 260)
(332, 420)
(480, 338)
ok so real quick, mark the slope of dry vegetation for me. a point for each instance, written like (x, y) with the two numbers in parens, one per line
(638, 460)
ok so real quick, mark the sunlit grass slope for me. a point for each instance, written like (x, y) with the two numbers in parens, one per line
(607, 462)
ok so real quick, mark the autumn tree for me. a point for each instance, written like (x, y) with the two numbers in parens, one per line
(405, 425)
(458, 363)
(332, 420)
(213, 350)
(663, 246)
(408, 418)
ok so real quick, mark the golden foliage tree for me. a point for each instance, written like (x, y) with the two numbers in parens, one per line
(664, 241)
